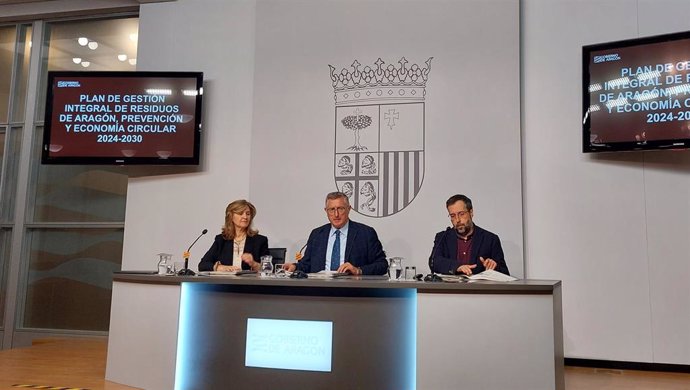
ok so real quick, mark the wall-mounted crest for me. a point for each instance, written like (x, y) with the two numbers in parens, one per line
(379, 134)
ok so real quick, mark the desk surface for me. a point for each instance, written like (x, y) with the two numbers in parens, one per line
(525, 286)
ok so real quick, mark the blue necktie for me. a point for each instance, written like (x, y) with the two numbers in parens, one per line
(335, 255)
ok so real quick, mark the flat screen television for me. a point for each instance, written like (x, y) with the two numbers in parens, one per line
(123, 118)
(636, 94)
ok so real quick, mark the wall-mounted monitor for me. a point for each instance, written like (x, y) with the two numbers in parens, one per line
(636, 94)
(123, 118)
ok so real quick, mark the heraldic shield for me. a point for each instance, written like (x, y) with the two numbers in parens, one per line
(379, 135)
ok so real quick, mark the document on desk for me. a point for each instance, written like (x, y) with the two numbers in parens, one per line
(327, 274)
(217, 273)
(491, 275)
(452, 278)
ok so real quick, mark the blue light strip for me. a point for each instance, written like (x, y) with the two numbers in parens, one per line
(412, 326)
(184, 322)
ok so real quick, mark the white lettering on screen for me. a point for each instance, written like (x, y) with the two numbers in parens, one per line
(289, 344)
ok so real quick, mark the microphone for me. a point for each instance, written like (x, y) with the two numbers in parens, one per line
(197, 239)
(186, 271)
(435, 248)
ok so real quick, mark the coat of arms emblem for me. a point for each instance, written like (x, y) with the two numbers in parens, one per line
(379, 134)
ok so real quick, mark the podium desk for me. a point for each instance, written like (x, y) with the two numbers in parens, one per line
(247, 332)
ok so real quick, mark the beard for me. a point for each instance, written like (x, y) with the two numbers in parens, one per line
(464, 228)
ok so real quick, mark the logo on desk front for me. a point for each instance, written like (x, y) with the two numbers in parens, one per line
(379, 134)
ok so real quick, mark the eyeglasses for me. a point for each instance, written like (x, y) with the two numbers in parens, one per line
(340, 210)
(457, 215)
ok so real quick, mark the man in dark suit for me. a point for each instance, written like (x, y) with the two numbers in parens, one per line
(466, 248)
(342, 245)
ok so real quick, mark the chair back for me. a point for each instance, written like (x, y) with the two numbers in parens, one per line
(278, 255)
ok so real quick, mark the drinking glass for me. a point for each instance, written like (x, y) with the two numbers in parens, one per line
(410, 272)
(281, 270)
(178, 266)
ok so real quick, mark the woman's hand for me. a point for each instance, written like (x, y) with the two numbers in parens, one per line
(249, 259)
(227, 268)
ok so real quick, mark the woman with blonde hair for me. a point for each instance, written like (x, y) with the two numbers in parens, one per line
(239, 246)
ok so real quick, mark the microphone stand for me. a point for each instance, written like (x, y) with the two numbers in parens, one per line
(298, 255)
(186, 271)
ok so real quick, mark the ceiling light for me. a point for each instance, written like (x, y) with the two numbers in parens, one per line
(122, 57)
(132, 61)
(76, 60)
(159, 91)
(85, 64)
(83, 41)
(93, 45)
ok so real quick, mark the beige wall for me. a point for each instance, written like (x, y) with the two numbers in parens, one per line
(613, 227)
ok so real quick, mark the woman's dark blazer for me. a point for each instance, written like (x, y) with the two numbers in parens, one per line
(222, 250)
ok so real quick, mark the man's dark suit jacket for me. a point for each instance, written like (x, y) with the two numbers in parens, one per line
(443, 257)
(363, 250)
(222, 250)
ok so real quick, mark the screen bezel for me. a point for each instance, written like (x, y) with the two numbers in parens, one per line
(86, 160)
(587, 146)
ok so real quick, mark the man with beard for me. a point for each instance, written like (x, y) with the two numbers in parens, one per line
(465, 248)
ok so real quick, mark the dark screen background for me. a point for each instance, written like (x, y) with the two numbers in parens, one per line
(64, 143)
(605, 127)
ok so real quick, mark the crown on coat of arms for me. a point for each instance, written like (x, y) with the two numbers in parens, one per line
(383, 82)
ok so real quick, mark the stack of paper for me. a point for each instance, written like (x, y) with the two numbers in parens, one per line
(325, 274)
(492, 275)
(218, 273)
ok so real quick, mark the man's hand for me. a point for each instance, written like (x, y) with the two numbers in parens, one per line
(466, 269)
(488, 263)
(349, 268)
(291, 267)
